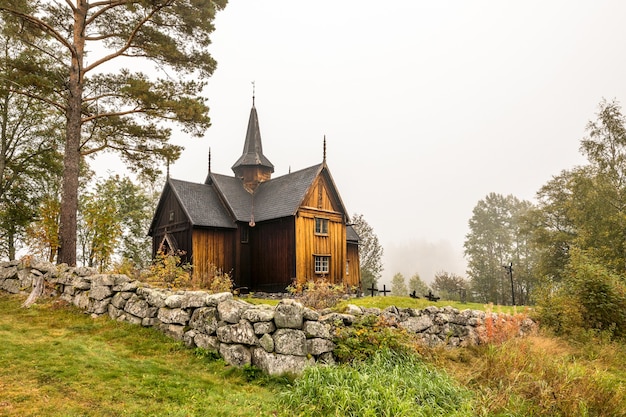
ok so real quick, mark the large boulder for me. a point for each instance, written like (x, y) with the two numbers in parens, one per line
(290, 342)
(204, 319)
(289, 314)
(240, 333)
(275, 364)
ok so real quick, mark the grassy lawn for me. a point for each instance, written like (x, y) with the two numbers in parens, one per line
(57, 361)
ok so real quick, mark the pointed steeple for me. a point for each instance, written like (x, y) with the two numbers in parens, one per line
(253, 167)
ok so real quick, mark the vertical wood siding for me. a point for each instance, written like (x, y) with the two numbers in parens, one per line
(213, 247)
(272, 254)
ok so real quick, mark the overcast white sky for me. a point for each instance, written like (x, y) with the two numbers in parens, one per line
(426, 106)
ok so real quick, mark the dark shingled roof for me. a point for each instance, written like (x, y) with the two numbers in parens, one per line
(351, 235)
(202, 204)
(252, 148)
(275, 198)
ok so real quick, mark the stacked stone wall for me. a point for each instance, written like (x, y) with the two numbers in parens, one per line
(277, 339)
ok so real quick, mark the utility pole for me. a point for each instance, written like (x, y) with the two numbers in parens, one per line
(509, 269)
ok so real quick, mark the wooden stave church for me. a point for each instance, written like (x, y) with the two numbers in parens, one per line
(267, 233)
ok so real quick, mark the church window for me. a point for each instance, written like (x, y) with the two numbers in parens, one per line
(322, 264)
(321, 226)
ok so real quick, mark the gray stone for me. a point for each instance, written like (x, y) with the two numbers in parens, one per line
(257, 314)
(204, 319)
(275, 364)
(129, 318)
(241, 333)
(267, 342)
(173, 315)
(231, 310)
(289, 314)
(175, 331)
(353, 310)
(114, 312)
(310, 314)
(81, 300)
(127, 286)
(194, 299)
(236, 355)
(81, 283)
(174, 301)
(118, 301)
(150, 321)
(264, 327)
(290, 342)
(102, 280)
(100, 292)
(99, 306)
(326, 359)
(140, 307)
(214, 299)
(417, 324)
(314, 329)
(154, 297)
(10, 285)
(188, 338)
(338, 319)
(207, 342)
(318, 346)
(83, 271)
(8, 273)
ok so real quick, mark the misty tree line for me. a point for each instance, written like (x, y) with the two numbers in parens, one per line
(568, 251)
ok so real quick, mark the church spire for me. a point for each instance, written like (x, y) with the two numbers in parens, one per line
(252, 166)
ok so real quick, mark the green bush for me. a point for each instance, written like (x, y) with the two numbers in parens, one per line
(591, 297)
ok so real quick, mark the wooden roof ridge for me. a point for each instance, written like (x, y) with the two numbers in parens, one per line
(253, 148)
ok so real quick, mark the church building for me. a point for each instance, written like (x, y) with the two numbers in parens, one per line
(265, 232)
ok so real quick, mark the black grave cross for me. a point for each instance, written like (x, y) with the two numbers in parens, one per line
(385, 291)
(372, 289)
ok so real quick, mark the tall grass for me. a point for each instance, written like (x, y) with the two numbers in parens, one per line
(388, 384)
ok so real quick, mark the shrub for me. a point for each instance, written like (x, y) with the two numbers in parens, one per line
(590, 298)
(168, 271)
(318, 295)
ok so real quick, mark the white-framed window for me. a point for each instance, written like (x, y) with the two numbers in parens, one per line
(321, 226)
(322, 264)
(347, 267)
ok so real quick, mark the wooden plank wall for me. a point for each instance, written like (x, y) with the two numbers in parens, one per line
(213, 247)
(272, 254)
(353, 279)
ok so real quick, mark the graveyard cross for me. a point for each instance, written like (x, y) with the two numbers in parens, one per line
(372, 289)
(385, 291)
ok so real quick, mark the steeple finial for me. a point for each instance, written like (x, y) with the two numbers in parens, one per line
(209, 159)
(324, 160)
(167, 174)
(253, 92)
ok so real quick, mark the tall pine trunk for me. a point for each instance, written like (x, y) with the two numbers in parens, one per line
(71, 160)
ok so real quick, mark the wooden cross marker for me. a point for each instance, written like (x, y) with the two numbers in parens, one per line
(372, 289)
(385, 291)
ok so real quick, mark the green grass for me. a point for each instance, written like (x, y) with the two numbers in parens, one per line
(57, 361)
(387, 384)
(421, 303)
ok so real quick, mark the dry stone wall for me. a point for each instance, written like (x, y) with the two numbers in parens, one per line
(277, 339)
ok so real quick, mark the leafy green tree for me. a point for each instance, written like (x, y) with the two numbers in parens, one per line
(114, 217)
(499, 236)
(122, 110)
(370, 252)
(416, 284)
(29, 143)
(450, 286)
(398, 285)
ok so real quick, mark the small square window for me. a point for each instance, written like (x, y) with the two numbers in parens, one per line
(172, 216)
(321, 226)
(322, 264)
